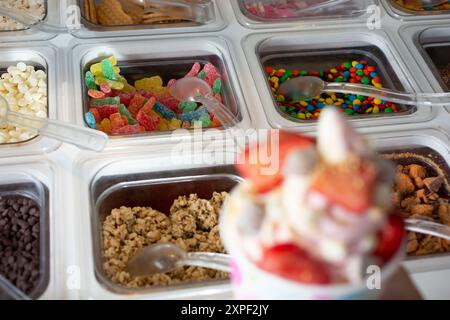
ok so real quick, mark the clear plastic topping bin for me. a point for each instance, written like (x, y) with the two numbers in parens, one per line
(311, 50)
(289, 13)
(35, 182)
(163, 58)
(415, 10)
(103, 18)
(42, 58)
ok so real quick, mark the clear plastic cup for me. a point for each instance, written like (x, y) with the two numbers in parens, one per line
(252, 283)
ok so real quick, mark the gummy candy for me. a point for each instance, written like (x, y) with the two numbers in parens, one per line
(90, 81)
(202, 75)
(136, 103)
(211, 74)
(192, 116)
(217, 86)
(108, 70)
(95, 94)
(187, 106)
(205, 119)
(117, 121)
(124, 112)
(175, 124)
(96, 70)
(150, 123)
(105, 101)
(164, 111)
(106, 125)
(129, 129)
(149, 84)
(105, 89)
(125, 98)
(171, 103)
(113, 60)
(107, 110)
(96, 114)
(90, 120)
(194, 71)
(116, 85)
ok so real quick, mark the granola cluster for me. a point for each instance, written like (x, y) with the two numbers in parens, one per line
(192, 224)
(417, 195)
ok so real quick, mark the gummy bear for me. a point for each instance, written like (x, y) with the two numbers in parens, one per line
(205, 119)
(117, 121)
(96, 70)
(125, 98)
(149, 84)
(175, 124)
(113, 60)
(89, 80)
(106, 125)
(194, 71)
(171, 103)
(108, 70)
(124, 112)
(150, 123)
(136, 103)
(107, 110)
(105, 101)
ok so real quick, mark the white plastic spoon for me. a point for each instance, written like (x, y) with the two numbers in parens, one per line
(82, 137)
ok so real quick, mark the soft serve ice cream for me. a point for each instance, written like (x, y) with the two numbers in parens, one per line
(324, 216)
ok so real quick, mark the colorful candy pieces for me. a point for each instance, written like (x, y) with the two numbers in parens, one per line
(136, 103)
(108, 70)
(149, 84)
(193, 116)
(164, 111)
(187, 106)
(211, 74)
(148, 120)
(96, 94)
(129, 129)
(90, 120)
(124, 112)
(106, 111)
(89, 81)
(117, 121)
(105, 126)
(348, 71)
(105, 101)
(116, 85)
(194, 71)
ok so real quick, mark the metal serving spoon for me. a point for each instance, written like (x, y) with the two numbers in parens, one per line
(307, 88)
(82, 137)
(31, 21)
(164, 257)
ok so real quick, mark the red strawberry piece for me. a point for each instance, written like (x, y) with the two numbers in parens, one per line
(349, 187)
(390, 237)
(290, 262)
(251, 166)
(106, 111)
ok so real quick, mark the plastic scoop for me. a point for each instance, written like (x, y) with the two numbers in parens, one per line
(84, 138)
(31, 21)
(307, 88)
(195, 89)
(164, 257)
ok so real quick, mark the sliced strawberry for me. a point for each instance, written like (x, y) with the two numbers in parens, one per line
(291, 262)
(348, 187)
(262, 176)
(390, 237)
